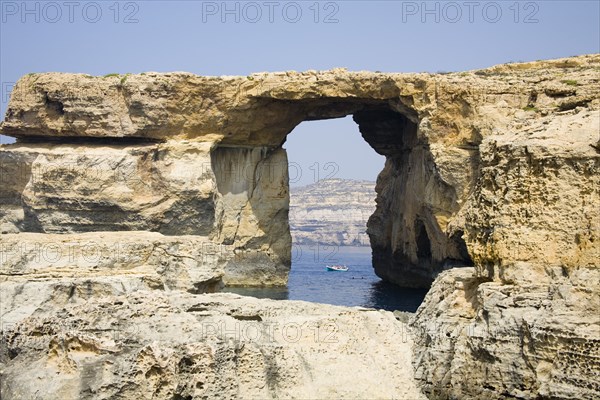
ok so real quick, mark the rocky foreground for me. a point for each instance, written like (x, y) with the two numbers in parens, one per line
(126, 198)
(173, 345)
(331, 212)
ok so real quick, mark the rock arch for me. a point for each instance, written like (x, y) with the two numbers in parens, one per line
(124, 183)
(239, 124)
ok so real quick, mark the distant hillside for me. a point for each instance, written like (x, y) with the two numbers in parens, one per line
(332, 212)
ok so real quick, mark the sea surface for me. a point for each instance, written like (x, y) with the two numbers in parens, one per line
(309, 280)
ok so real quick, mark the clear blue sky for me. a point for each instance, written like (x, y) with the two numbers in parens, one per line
(208, 38)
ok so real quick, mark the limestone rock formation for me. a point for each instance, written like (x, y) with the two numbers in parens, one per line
(172, 345)
(175, 189)
(525, 319)
(429, 127)
(35, 268)
(331, 212)
(497, 168)
(71, 188)
(479, 339)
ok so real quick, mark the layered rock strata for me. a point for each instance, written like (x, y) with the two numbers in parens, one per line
(495, 168)
(479, 339)
(331, 212)
(229, 201)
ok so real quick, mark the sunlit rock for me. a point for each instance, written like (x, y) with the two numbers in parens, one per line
(497, 169)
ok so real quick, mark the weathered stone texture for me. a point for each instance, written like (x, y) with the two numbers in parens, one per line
(490, 340)
(173, 345)
(497, 168)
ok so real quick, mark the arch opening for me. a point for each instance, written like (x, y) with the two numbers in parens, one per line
(329, 209)
(410, 239)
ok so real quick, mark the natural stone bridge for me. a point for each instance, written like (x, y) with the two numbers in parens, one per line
(202, 156)
(177, 181)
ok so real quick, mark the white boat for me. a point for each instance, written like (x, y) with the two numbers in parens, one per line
(341, 268)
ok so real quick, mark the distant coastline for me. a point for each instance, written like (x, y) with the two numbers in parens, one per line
(332, 212)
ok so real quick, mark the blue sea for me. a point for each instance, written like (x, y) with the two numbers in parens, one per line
(309, 280)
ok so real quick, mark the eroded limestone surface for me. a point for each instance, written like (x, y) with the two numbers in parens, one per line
(476, 339)
(435, 131)
(523, 323)
(236, 199)
(497, 168)
(172, 345)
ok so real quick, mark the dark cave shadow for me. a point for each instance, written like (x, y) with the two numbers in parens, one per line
(388, 296)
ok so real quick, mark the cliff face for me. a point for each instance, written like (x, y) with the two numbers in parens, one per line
(524, 322)
(170, 190)
(332, 212)
(495, 168)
